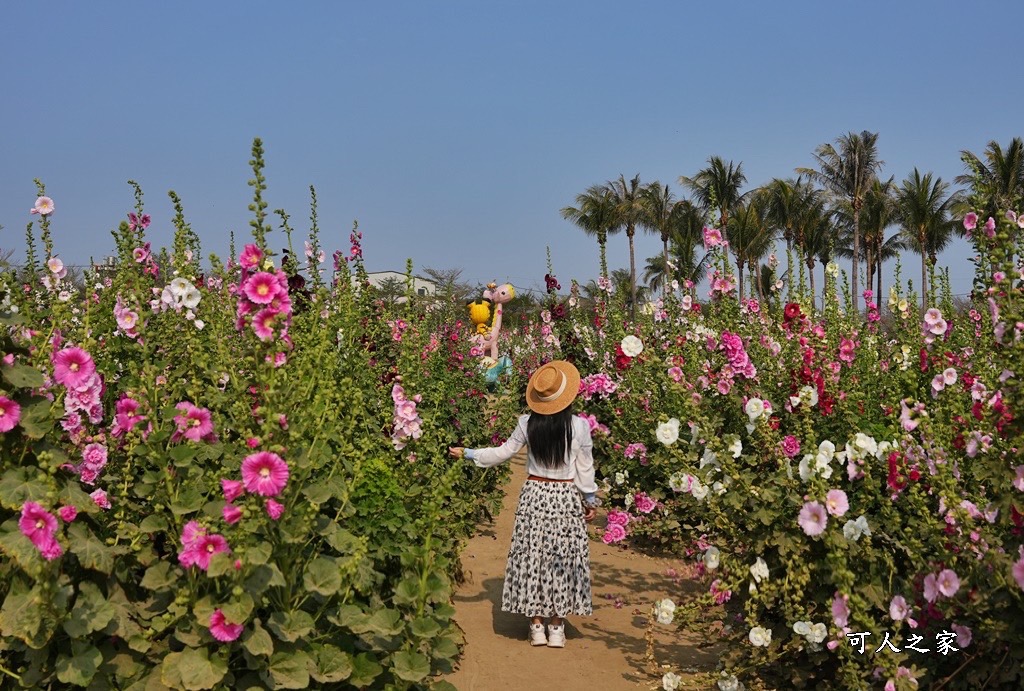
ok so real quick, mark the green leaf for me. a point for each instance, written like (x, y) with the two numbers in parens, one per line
(220, 564)
(444, 649)
(80, 668)
(91, 612)
(424, 627)
(410, 666)
(15, 545)
(238, 612)
(22, 376)
(442, 686)
(384, 622)
(330, 664)
(182, 454)
(36, 419)
(258, 554)
(92, 553)
(290, 627)
(290, 670)
(190, 501)
(257, 642)
(344, 541)
(407, 591)
(192, 670)
(161, 575)
(364, 670)
(317, 494)
(19, 617)
(19, 485)
(322, 576)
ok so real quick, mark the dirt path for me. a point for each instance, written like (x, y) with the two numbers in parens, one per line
(605, 651)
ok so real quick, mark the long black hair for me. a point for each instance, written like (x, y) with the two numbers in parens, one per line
(549, 436)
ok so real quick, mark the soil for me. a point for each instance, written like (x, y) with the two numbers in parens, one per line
(606, 651)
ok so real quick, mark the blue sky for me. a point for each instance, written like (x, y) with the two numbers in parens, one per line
(455, 131)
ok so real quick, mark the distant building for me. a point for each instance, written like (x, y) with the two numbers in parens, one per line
(421, 286)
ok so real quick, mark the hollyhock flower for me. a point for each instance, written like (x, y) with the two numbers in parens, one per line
(73, 367)
(613, 533)
(94, 458)
(971, 221)
(947, 582)
(43, 206)
(190, 300)
(840, 610)
(643, 503)
(274, 509)
(55, 265)
(261, 287)
(847, 350)
(760, 636)
(250, 257)
(99, 497)
(668, 432)
(264, 473)
(712, 558)
(232, 514)
(759, 570)
(10, 414)
(232, 489)
(194, 423)
(836, 502)
(632, 346)
(264, 323)
(931, 590)
(813, 518)
(675, 373)
(990, 227)
(616, 517)
(67, 513)
(790, 446)
(754, 408)
(720, 595)
(964, 635)
(201, 550)
(223, 630)
(898, 608)
(37, 524)
(712, 237)
(664, 611)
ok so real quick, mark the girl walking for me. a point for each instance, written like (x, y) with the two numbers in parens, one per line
(547, 575)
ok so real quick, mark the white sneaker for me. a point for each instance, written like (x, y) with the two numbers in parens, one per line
(537, 636)
(556, 636)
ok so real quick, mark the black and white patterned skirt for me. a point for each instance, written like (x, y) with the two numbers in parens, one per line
(548, 569)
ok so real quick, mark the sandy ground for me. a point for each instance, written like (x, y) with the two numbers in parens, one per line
(606, 651)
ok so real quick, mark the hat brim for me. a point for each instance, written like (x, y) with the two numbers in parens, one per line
(572, 389)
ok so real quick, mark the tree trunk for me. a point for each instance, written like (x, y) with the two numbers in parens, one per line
(602, 241)
(856, 249)
(630, 231)
(878, 300)
(924, 273)
(739, 276)
(724, 213)
(814, 296)
(668, 272)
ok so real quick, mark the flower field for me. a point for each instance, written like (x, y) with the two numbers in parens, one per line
(233, 475)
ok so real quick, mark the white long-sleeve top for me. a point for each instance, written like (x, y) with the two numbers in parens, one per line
(578, 467)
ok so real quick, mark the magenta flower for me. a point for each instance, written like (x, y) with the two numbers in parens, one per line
(813, 518)
(232, 514)
(790, 446)
(37, 524)
(99, 497)
(191, 533)
(618, 518)
(73, 367)
(836, 502)
(233, 489)
(194, 423)
(261, 287)
(264, 473)
(947, 582)
(274, 509)
(201, 550)
(250, 257)
(613, 533)
(94, 458)
(264, 322)
(971, 221)
(223, 630)
(67, 513)
(10, 414)
(643, 503)
(138, 222)
(712, 237)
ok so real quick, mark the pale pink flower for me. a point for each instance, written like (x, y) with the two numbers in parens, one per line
(127, 320)
(10, 414)
(223, 630)
(971, 221)
(232, 489)
(232, 514)
(274, 509)
(1018, 480)
(264, 473)
(949, 376)
(813, 518)
(1018, 568)
(140, 254)
(43, 206)
(990, 227)
(73, 367)
(840, 610)
(964, 635)
(55, 265)
(932, 317)
(712, 237)
(931, 590)
(675, 373)
(947, 582)
(836, 502)
(898, 609)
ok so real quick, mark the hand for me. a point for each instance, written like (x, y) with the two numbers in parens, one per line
(589, 512)
(456, 451)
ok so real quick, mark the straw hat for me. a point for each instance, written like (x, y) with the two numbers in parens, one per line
(553, 387)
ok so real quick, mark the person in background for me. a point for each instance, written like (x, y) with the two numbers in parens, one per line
(547, 575)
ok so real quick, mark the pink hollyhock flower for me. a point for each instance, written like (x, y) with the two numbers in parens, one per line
(261, 287)
(840, 610)
(43, 206)
(37, 524)
(67, 513)
(223, 630)
(10, 414)
(721, 596)
(990, 227)
(613, 533)
(191, 533)
(790, 445)
(971, 221)
(140, 254)
(99, 497)
(964, 636)
(847, 350)
(898, 609)
(233, 489)
(202, 550)
(1018, 480)
(931, 590)
(643, 503)
(250, 257)
(947, 582)
(836, 502)
(55, 265)
(127, 320)
(675, 373)
(232, 514)
(618, 518)
(264, 473)
(712, 237)
(274, 509)
(264, 322)
(813, 518)
(73, 367)
(194, 423)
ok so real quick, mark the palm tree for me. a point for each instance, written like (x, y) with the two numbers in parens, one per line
(924, 214)
(629, 211)
(787, 200)
(999, 180)
(752, 236)
(594, 214)
(878, 214)
(659, 206)
(817, 239)
(717, 187)
(682, 265)
(847, 172)
(623, 283)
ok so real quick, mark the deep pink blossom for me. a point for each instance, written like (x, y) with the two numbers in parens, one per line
(194, 423)
(100, 498)
(223, 630)
(712, 237)
(232, 514)
(37, 524)
(790, 446)
(67, 513)
(274, 509)
(250, 257)
(613, 533)
(10, 414)
(264, 322)
(233, 489)
(73, 367)
(200, 549)
(264, 473)
(971, 221)
(261, 288)
(643, 503)
(616, 517)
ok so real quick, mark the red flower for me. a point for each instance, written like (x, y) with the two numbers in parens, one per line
(791, 312)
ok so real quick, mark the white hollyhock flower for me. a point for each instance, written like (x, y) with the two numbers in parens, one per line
(671, 681)
(759, 570)
(668, 432)
(760, 636)
(754, 408)
(632, 346)
(712, 558)
(191, 298)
